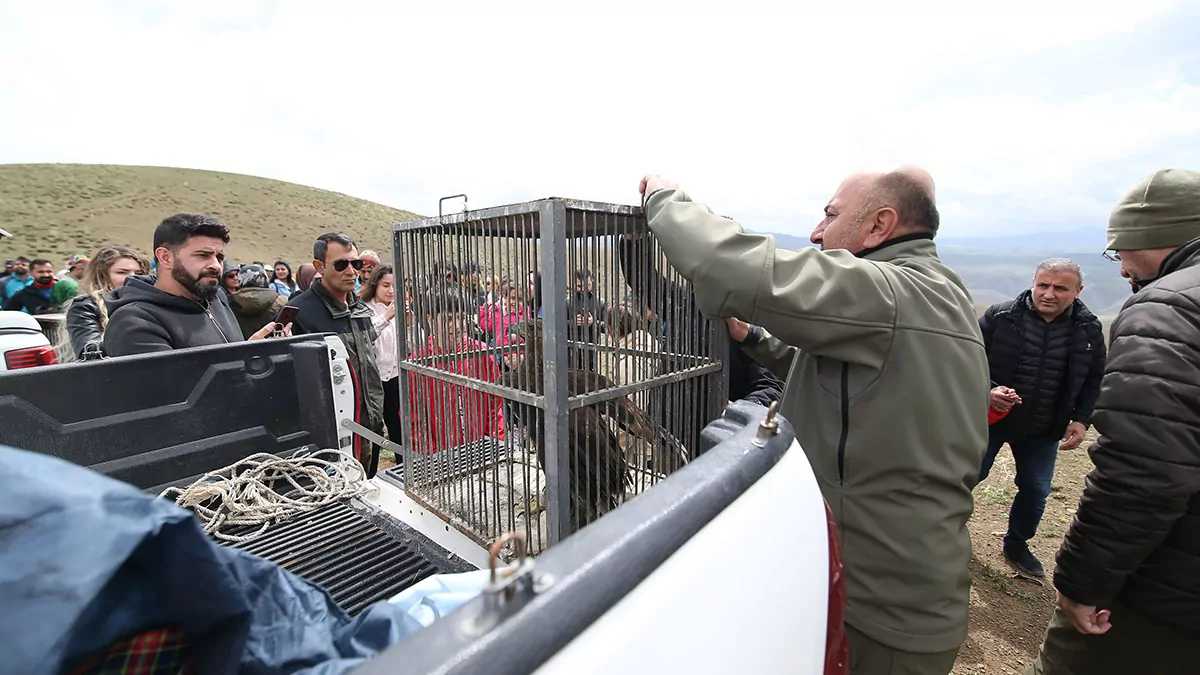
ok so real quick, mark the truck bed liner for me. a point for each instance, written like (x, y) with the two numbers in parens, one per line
(359, 556)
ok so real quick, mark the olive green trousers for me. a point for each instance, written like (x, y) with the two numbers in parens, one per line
(868, 657)
(1135, 645)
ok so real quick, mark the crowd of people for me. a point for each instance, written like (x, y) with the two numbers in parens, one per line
(33, 287)
(457, 318)
(900, 396)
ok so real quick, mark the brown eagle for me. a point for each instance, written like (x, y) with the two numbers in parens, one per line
(597, 469)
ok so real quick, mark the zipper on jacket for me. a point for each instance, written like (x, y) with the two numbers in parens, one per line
(845, 424)
(212, 318)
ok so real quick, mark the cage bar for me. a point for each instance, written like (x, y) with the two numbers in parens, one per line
(555, 367)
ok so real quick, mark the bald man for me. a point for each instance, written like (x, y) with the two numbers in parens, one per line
(887, 389)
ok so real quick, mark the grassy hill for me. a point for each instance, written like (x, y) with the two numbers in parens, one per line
(56, 210)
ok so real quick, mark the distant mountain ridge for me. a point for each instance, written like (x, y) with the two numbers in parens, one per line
(1051, 240)
(1000, 267)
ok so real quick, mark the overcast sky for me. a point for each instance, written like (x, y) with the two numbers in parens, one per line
(1030, 121)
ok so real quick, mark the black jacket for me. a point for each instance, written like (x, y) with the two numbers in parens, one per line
(320, 312)
(1070, 362)
(1136, 535)
(142, 318)
(30, 300)
(749, 381)
(84, 325)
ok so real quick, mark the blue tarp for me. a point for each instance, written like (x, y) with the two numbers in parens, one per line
(86, 560)
(434, 597)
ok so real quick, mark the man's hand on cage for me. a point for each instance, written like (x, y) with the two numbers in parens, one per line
(738, 330)
(652, 183)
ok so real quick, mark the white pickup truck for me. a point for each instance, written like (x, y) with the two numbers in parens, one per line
(729, 565)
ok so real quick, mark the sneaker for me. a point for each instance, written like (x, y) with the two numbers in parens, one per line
(1024, 562)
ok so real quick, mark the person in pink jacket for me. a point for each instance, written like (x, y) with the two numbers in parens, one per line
(496, 317)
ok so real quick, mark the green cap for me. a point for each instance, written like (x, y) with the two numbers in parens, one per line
(1161, 211)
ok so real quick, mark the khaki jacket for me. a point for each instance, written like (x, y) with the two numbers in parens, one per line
(887, 389)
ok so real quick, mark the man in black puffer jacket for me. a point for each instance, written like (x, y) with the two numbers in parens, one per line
(1046, 357)
(1128, 574)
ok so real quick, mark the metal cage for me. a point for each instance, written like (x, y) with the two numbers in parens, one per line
(552, 365)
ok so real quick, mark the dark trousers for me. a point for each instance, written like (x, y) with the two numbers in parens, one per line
(1035, 470)
(1135, 644)
(391, 410)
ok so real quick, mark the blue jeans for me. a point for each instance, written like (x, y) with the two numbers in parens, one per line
(1035, 469)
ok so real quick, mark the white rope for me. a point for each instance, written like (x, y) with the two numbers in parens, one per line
(245, 493)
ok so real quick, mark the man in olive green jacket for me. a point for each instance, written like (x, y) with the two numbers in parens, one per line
(887, 389)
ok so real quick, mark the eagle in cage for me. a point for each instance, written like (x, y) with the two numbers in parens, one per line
(597, 468)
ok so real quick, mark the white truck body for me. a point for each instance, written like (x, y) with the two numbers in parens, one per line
(23, 343)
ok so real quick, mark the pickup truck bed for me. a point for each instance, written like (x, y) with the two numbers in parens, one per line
(165, 419)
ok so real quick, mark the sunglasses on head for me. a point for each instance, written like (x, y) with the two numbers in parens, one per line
(340, 265)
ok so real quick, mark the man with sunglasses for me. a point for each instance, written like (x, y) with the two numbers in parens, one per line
(330, 305)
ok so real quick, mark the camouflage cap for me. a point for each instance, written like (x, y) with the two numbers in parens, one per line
(1161, 211)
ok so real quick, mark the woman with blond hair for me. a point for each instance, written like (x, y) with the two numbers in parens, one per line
(87, 314)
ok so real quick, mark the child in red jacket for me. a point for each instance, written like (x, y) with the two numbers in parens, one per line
(445, 414)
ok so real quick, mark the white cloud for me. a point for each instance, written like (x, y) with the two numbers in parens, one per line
(761, 114)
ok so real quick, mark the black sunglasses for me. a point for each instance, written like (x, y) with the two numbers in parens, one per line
(340, 265)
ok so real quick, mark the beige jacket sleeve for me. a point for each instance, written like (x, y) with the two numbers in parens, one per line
(829, 304)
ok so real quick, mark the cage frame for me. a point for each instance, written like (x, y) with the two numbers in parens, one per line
(556, 401)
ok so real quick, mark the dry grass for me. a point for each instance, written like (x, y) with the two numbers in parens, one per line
(56, 210)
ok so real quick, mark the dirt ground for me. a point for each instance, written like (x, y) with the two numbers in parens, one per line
(1009, 615)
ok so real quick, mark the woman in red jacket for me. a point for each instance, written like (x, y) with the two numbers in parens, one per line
(444, 414)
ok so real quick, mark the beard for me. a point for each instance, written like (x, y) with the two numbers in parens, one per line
(1137, 285)
(204, 291)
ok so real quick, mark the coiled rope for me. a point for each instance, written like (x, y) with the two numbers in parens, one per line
(255, 491)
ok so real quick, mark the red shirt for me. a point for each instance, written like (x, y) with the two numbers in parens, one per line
(493, 319)
(445, 415)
